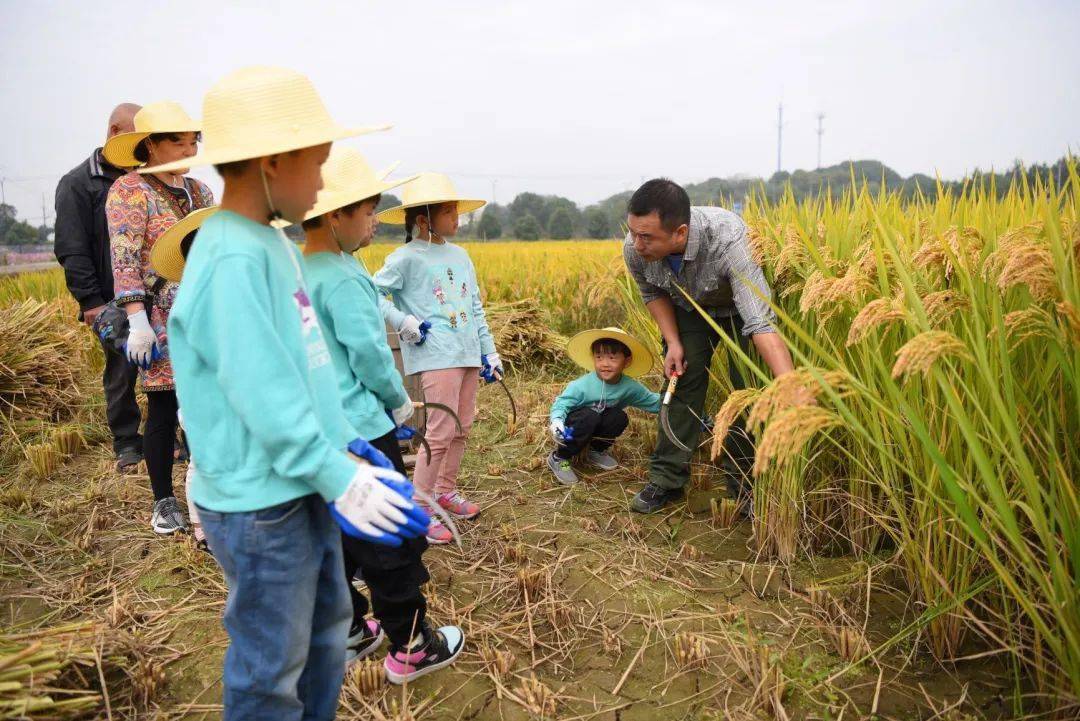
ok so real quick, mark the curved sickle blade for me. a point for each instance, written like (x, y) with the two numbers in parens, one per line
(440, 407)
(513, 406)
(665, 423)
(423, 443)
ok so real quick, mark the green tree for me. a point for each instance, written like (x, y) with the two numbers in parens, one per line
(387, 230)
(527, 227)
(596, 224)
(561, 225)
(526, 204)
(489, 227)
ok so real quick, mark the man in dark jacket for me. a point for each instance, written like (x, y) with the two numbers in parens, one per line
(82, 247)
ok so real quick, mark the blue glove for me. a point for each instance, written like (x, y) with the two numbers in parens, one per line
(155, 355)
(362, 449)
(377, 506)
(424, 328)
(491, 367)
(402, 432)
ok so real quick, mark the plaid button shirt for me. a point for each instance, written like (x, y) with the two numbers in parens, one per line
(717, 272)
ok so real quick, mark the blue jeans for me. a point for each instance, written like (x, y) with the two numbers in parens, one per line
(288, 610)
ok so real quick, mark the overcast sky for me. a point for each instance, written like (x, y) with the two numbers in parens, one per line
(576, 97)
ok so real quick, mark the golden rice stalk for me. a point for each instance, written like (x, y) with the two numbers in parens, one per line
(930, 254)
(691, 651)
(690, 552)
(610, 641)
(793, 253)
(1070, 319)
(539, 699)
(920, 353)
(498, 661)
(815, 292)
(849, 641)
(1031, 322)
(940, 305)
(365, 678)
(68, 440)
(723, 511)
(965, 246)
(763, 246)
(788, 432)
(732, 408)
(44, 459)
(794, 389)
(1030, 265)
(879, 311)
(523, 334)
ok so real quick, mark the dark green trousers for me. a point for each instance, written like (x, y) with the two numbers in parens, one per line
(669, 467)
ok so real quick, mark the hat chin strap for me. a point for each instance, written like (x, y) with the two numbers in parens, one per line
(274, 214)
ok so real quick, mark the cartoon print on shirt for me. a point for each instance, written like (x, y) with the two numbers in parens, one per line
(453, 320)
(438, 290)
(464, 290)
(450, 274)
(307, 313)
(464, 318)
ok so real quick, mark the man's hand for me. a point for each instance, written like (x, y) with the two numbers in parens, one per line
(90, 315)
(675, 360)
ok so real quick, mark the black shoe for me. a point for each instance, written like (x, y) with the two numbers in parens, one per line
(128, 459)
(364, 639)
(652, 498)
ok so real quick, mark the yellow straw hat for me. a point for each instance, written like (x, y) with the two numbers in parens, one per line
(261, 111)
(580, 350)
(167, 256)
(429, 189)
(347, 179)
(163, 117)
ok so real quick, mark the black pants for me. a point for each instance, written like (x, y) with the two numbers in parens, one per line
(159, 440)
(121, 408)
(393, 575)
(596, 429)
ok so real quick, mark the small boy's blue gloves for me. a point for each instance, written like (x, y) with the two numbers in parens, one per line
(377, 506)
(362, 449)
(401, 432)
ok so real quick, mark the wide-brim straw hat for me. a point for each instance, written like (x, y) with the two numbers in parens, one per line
(260, 111)
(163, 117)
(166, 257)
(429, 189)
(580, 350)
(348, 178)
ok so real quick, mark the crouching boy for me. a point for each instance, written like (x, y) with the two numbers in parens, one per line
(588, 416)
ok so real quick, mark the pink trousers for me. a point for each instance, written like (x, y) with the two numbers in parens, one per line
(454, 387)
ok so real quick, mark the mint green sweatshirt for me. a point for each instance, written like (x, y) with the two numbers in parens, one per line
(253, 373)
(589, 390)
(347, 303)
(436, 282)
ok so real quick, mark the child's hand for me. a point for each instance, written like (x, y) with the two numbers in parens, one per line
(413, 331)
(560, 432)
(491, 367)
(377, 506)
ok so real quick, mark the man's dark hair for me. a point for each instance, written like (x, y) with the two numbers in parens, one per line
(142, 154)
(349, 209)
(664, 196)
(610, 345)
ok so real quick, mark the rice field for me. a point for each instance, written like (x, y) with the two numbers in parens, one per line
(915, 548)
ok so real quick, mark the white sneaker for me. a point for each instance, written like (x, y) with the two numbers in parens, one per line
(600, 459)
(167, 518)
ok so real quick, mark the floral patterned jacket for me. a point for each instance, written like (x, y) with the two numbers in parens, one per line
(139, 209)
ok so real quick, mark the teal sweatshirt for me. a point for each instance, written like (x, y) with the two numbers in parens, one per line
(347, 303)
(589, 390)
(253, 373)
(436, 282)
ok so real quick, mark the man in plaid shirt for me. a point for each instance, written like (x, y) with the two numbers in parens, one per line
(705, 252)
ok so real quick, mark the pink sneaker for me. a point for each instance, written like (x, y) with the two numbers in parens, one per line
(441, 648)
(458, 506)
(437, 533)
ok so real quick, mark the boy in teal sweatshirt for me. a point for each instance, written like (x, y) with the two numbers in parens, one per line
(347, 304)
(262, 408)
(588, 416)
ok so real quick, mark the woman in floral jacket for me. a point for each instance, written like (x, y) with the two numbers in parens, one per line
(139, 209)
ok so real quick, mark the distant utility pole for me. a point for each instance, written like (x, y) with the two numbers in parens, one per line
(779, 136)
(494, 182)
(820, 132)
(43, 212)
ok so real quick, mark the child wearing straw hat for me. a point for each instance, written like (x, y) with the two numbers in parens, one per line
(346, 302)
(435, 281)
(275, 485)
(588, 416)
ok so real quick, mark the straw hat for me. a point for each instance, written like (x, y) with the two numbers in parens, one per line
(347, 179)
(429, 189)
(580, 350)
(167, 257)
(163, 117)
(261, 111)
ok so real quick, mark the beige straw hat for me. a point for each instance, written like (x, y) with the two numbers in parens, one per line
(167, 256)
(580, 350)
(347, 179)
(429, 189)
(261, 111)
(163, 117)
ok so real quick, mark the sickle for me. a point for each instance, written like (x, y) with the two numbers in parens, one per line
(428, 405)
(423, 442)
(665, 424)
(513, 406)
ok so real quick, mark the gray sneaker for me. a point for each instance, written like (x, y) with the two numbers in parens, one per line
(562, 471)
(601, 459)
(167, 518)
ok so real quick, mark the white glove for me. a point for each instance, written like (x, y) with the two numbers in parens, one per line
(403, 412)
(141, 340)
(409, 330)
(558, 428)
(371, 508)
